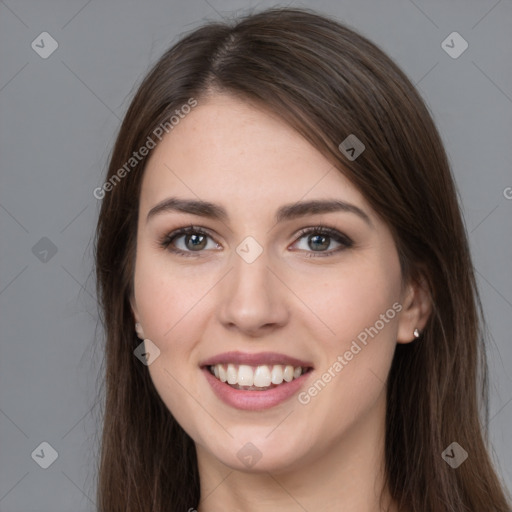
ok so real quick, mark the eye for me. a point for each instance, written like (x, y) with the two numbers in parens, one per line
(320, 238)
(195, 239)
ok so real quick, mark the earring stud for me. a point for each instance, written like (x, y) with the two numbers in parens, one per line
(416, 333)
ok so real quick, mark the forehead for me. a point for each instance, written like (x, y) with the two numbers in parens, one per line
(227, 149)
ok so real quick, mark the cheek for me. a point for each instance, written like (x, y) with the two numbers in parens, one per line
(170, 308)
(172, 304)
(356, 297)
(166, 296)
(361, 307)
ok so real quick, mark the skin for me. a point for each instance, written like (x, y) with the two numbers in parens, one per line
(318, 456)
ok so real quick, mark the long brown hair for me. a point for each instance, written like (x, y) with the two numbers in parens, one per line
(327, 82)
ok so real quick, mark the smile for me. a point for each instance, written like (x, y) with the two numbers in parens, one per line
(255, 381)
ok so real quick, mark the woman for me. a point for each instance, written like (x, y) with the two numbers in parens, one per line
(290, 308)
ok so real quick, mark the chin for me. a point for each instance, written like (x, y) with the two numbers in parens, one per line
(259, 454)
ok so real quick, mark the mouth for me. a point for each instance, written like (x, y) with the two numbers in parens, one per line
(255, 381)
(256, 378)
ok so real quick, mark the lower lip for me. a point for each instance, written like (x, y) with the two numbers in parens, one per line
(254, 400)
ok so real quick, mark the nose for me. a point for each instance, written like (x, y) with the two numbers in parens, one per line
(252, 299)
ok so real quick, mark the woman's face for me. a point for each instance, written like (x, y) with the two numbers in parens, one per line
(320, 312)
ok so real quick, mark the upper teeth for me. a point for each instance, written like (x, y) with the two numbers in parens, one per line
(259, 376)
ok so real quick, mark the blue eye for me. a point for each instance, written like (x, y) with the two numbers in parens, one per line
(195, 240)
(319, 238)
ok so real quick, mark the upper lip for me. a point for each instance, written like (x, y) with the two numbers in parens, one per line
(256, 359)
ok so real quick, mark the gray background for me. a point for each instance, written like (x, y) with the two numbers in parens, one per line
(59, 117)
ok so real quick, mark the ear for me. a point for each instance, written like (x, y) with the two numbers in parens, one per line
(138, 326)
(416, 309)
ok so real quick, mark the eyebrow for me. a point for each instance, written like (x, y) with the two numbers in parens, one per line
(284, 213)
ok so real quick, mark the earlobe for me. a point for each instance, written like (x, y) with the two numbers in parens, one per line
(139, 330)
(138, 327)
(417, 306)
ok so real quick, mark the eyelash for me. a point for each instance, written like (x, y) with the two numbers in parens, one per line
(166, 241)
